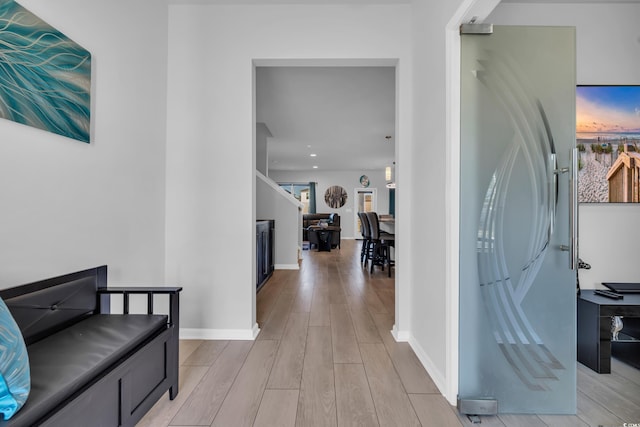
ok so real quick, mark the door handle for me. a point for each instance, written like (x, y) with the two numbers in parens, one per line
(573, 211)
(572, 247)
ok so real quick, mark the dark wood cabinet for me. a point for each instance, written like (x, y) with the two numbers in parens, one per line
(264, 251)
(595, 344)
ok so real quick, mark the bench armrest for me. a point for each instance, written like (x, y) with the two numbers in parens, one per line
(125, 291)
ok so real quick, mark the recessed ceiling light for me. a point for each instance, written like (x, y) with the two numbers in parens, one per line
(315, 167)
(312, 155)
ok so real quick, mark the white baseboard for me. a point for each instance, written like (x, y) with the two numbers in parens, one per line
(436, 375)
(286, 266)
(400, 336)
(219, 334)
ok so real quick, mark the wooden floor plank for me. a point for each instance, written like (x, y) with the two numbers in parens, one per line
(354, 403)
(287, 368)
(302, 301)
(625, 370)
(320, 307)
(267, 296)
(485, 421)
(336, 293)
(365, 328)
(273, 327)
(353, 283)
(414, 377)
(241, 405)
(510, 420)
(356, 302)
(387, 301)
(186, 347)
(594, 387)
(562, 421)
(391, 401)
(205, 401)
(594, 414)
(317, 403)
(384, 323)
(165, 409)
(622, 385)
(433, 410)
(277, 409)
(343, 336)
(206, 353)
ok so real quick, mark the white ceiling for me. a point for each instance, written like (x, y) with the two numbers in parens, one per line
(341, 114)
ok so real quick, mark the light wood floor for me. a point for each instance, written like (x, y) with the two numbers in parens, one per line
(325, 357)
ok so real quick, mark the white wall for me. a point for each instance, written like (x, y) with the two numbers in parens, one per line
(66, 205)
(425, 187)
(262, 156)
(608, 52)
(210, 151)
(349, 180)
(272, 202)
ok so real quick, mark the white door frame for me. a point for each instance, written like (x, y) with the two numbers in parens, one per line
(469, 9)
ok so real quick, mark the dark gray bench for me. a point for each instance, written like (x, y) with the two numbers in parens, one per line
(90, 367)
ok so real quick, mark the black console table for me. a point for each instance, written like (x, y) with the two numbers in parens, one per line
(323, 237)
(595, 346)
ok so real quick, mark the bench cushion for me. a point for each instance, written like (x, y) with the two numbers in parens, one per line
(14, 365)
(65, 362)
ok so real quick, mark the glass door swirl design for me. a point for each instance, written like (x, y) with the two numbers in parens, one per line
(532, 154)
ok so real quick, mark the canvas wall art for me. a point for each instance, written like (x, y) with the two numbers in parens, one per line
(608, 141)
(335, 196)
(45, 77)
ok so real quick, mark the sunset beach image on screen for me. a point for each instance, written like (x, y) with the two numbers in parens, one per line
(608, 141)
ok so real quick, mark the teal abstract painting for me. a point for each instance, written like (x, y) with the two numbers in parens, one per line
(45, 77)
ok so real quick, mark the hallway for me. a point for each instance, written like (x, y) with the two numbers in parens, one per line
(325, 357)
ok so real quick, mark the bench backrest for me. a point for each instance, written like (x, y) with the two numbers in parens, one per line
(43, 307)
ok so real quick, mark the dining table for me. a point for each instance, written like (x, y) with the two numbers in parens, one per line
(387, 224)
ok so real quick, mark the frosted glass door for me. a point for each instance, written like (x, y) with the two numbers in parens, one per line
(517, 288)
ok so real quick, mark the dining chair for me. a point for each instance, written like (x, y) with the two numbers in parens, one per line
(366, 238)
(381, 242)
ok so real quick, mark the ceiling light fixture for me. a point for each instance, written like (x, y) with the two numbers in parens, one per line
(315, 167)
(312, 155)
(388, 176)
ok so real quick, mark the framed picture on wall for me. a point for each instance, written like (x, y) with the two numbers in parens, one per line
(608, 141)
(45, 77)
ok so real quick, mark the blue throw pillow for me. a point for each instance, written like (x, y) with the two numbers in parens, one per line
(15, 380)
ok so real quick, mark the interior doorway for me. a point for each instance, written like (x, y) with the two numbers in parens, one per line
(328, 169)
(366, 200)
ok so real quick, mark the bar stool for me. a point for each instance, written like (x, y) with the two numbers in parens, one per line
(382, 243)
(365, 230)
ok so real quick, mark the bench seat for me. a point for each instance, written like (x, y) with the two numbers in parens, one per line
(69, 360)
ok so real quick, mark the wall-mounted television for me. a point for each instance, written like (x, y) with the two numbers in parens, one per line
(608, 141)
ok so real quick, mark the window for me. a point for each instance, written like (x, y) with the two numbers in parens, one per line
(303, 192)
